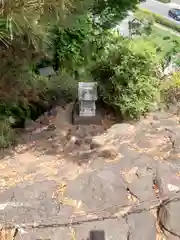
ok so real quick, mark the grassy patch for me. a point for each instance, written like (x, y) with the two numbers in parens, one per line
(163, 38)
(143, 13)
(164, 1)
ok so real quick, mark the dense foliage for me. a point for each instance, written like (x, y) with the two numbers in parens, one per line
(75, 37)
(165, 1)
(144, 13)
(126, 78)
(110, 12)
(68, 43)
(33, 18)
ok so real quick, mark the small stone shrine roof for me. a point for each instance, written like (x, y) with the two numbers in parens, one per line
(47, 71)
(87, 91)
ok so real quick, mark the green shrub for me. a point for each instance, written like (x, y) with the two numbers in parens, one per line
(164, 1)
(126, 78)
(36, 95)
(170, 89)
(69, 43)
(159, 19)
(7, 134)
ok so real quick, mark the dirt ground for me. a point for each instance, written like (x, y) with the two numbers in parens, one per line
(62, 181)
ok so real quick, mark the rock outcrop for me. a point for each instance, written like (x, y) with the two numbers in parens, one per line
(62, 181)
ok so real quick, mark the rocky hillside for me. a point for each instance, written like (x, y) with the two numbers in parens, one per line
(63, 181)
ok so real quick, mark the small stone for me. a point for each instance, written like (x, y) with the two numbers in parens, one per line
(68, 134)
(108, 153)
(172, 188)
(28, 123)
(98, 141)
(94, 145)
(155, 118)
(87, 141)
(31, 125)
(78, 142)
(52, 112)
(51, 127)
(73, 140)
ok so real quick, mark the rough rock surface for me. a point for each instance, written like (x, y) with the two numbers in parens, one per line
(63, 181)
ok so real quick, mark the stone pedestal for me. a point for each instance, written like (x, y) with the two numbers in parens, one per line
(86, 120)
(85, 110)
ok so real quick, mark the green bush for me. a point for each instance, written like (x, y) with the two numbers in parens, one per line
(159, 19)
(23, 93)
(36, 95)
(170, 89)
(164, 1)
(126, 79)
(7, 134)
(69, 44)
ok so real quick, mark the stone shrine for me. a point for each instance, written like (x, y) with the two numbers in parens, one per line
(87, 95)
(85, 109)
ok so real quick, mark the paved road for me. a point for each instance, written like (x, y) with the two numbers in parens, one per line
(176, 1)
(153, 6)
(160, 8)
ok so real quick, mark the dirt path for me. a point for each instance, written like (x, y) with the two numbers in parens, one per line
(63, 181)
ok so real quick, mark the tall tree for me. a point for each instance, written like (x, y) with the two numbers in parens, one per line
(31, 18)
(109, 12)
